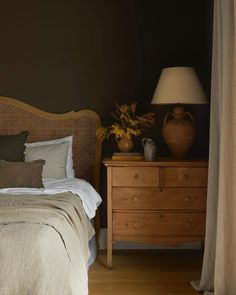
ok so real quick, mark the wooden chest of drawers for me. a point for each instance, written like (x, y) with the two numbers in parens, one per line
(156, 202)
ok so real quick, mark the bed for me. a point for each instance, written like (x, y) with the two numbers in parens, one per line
(47, 230)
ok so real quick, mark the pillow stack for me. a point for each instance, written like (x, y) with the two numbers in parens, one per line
(14, 172)
(45, 159)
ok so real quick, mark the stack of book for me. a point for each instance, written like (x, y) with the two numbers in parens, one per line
(131, 156)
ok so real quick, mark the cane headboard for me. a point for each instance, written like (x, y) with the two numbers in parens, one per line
(16, 116)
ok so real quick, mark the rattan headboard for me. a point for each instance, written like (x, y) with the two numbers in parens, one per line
(16, 116)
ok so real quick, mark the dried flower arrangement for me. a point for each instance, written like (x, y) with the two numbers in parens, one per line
(127, 123)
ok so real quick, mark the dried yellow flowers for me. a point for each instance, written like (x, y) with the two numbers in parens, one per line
(127, 123)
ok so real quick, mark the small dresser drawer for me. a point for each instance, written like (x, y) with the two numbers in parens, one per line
(185, 177)
(135, 176)
(159, 198)
(163, 224)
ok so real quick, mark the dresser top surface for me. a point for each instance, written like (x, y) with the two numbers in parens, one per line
(160, 162)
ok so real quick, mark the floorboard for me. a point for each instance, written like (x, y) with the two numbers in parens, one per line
(156, 272)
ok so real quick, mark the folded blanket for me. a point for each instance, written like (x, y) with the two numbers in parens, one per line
(43, 245)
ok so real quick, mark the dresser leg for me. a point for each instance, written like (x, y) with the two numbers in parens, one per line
(109, 218)
(109, 254)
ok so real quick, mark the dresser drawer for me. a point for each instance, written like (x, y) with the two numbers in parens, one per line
(185, 177)
(159, 224)
(159, 198)
(135, 176)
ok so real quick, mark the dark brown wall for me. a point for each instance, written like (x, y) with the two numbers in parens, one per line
(72, 54)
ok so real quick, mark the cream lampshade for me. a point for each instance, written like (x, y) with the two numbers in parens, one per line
(179, 85)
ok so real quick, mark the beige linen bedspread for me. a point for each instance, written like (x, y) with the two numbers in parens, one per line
(43, 245)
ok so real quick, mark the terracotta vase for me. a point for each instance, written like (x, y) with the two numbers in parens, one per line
(178, 132)
(125, 145)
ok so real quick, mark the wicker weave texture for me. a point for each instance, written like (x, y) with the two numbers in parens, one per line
(16, 116)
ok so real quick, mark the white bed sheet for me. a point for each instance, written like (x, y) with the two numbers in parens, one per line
(80, 187)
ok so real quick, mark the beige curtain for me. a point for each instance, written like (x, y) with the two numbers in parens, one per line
(219, 263)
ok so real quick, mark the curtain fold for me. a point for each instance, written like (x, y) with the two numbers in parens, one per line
(219, 262)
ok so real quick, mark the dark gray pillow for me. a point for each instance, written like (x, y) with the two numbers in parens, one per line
(12, 147)
(21, 174)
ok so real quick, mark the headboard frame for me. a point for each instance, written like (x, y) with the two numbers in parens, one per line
(16, 116)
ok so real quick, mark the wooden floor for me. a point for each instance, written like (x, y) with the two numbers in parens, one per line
(146, 273)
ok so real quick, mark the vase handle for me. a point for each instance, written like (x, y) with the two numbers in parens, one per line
(166, 117)
(189, 115)
(144, 140)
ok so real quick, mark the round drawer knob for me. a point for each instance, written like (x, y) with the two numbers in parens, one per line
(136, 176)
(188, 224)
(136, 224)
(187, 199)
(185, 176)
(135, 199)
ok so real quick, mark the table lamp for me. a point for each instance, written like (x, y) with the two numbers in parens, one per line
(179, 85)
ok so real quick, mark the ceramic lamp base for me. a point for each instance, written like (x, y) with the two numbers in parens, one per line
(178, 132)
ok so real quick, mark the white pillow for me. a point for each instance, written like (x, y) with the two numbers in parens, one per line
(70, 173)
(55, 156)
